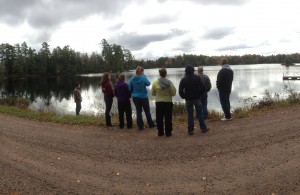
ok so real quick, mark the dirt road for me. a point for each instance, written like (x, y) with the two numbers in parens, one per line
(255, 155)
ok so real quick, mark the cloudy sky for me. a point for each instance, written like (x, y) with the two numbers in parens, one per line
(156, 28)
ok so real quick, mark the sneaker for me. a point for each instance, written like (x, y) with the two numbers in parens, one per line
(226, 119)
(191, 133)
(169, 134)
(204, 130)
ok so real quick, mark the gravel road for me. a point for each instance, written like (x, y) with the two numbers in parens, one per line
(255, 155)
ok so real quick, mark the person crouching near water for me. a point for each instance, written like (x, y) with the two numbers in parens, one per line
(124, 106)
(77, 98)
(107, 89)
(163, 90)
(138, 87)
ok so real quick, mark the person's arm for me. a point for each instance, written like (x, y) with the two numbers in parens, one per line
(208, 84)
(130, 87)
(115, 90)
(173, 89)
(153, 90)
(80, 97)
(127, 90)
(110, 89)
(146, 80)
(181, 89)
(219, 79)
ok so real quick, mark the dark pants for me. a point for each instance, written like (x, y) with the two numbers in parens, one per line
(108, 104)
(78, 107)
(125, 107)
(204, 106)
(140, 105)
(164, 117)
(225, 103)
(190, 110)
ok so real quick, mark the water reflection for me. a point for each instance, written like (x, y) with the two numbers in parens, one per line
(56, 93)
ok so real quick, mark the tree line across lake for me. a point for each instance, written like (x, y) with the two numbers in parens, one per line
(21, 60)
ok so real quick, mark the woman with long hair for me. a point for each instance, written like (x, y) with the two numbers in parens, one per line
(107, 89)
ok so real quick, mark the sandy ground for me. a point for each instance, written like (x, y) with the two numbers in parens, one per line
(255, 155)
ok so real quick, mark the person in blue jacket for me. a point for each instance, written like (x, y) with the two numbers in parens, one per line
(138, 87)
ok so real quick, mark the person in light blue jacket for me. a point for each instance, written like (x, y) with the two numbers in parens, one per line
(138, 87)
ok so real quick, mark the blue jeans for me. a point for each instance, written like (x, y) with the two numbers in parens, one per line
(190, 110)
(225, 103)
(140, 105)
(204, 105)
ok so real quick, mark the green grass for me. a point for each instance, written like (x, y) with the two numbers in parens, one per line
(51, 117)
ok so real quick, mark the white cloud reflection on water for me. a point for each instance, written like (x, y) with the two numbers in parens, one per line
(250, 81)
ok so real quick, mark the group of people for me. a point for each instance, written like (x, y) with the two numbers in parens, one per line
(192, 87)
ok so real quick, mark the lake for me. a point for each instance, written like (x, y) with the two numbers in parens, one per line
(55, 94)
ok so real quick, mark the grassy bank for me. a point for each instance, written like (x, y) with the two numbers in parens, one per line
(19, 108)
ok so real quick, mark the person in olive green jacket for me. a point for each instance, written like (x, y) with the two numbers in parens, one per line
(163, 90)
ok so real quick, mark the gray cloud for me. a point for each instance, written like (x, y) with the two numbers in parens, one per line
(218, 33)
(161, 19)
(115, 27)
(45, 16)
(52, 13)
(187, 45)
(234, 47)
(134, 41)
(216, 2)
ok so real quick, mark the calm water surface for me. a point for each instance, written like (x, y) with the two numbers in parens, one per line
(56, 93)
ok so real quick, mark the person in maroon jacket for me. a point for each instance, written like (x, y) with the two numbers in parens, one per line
(107, 89)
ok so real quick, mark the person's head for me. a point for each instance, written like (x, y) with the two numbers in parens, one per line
(189, 69)
(105, 78)
(224, 61)
(77, 85)
(139, 70)
(121, 77)
(200, 69)
(162, 72)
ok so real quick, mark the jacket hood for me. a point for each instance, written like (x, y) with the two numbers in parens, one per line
(120, 83)
(226, 66)
(189, 69)
(164, 83)
(137, 78)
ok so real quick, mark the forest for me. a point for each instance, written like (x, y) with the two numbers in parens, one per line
(20, 60)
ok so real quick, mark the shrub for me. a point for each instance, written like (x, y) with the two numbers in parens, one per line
(21, 103)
